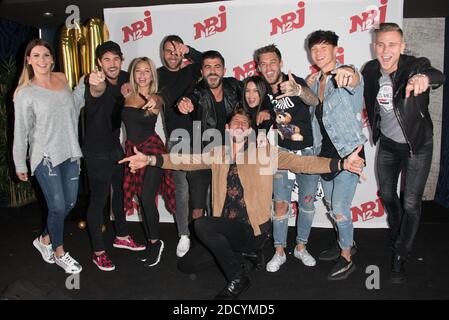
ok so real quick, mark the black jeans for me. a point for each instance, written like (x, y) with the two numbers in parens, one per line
(102, 173)
(223, 239)
(199, 183)
(393, 158)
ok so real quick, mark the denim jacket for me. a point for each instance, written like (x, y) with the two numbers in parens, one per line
(342, 116)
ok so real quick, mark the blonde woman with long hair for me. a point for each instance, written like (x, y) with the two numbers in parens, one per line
(46, 120)
(139, 116)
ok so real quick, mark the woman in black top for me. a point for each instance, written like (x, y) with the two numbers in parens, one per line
(139, 116)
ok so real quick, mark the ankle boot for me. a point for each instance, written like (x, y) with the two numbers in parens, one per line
(234, 288)
(397, 269)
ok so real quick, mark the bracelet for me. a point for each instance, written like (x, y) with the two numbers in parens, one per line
(149, 161)
(342, 164)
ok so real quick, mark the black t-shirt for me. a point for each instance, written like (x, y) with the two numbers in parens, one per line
(300, 113)
(220, 109)
(103, 119)
(327, 147)
(172, 86)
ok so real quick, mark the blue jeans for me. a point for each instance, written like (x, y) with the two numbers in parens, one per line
(338, 196)
(282, 190)
(60, 188)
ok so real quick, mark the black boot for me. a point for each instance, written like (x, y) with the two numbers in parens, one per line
(397, 269)
(256, 260)
(234, 288)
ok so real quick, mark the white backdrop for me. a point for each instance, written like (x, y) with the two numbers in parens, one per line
(237, 28)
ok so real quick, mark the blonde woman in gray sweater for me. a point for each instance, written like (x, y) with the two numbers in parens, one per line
(46, 120)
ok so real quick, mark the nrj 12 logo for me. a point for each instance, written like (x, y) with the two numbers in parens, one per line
(138, 29)
(212, 25)
(289, 21)
(247, 70)
(368, 210)
(370, 18)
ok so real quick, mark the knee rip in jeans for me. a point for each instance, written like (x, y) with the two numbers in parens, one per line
(338, 217)
(281, 205)
(309, 199)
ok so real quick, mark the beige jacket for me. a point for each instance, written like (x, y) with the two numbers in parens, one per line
(256, 167)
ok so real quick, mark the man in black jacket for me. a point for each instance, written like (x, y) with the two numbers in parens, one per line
(397, 100)
(176, 81)
(211, 103)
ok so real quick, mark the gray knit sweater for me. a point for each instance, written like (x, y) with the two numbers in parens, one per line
(47, 120)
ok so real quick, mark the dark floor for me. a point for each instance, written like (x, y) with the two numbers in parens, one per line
(427, 270)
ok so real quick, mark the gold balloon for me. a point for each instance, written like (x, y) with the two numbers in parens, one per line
(77, 47)
(82, 225)
(96, 34)
(69, 53)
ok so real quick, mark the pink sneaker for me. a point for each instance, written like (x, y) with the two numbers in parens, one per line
(103, 262)
(128, 244)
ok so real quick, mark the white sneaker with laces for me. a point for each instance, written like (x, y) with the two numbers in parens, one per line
(45, 250)
(276, 262)
(183, 246)
(67, 263)
(305, 257)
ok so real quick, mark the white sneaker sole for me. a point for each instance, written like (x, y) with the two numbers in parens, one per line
(103, 268)
(308, 264)
(119, 246)
(70, 272)
(158, 256)
(37, 246)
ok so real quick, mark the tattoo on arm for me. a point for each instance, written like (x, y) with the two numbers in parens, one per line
(308, 97)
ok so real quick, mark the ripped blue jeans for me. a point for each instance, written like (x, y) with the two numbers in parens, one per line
(60, 188)
(282, 190)
(338, 196)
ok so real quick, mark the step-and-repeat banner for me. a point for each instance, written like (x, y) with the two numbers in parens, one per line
(237, 28)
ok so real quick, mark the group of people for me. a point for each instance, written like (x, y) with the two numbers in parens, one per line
(220, 145)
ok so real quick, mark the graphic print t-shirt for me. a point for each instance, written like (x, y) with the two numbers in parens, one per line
(389, 125)
(300, 113)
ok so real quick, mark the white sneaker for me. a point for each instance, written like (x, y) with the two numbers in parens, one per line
(183, 246)
(305, 257)
(69, 264)
(45, 250)
(276, 262)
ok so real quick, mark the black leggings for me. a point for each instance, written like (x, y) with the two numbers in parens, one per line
(150, 214)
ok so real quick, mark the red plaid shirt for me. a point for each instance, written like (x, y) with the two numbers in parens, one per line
(132, 184)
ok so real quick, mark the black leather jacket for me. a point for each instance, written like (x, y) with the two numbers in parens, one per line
(412, 112)
(203, 101)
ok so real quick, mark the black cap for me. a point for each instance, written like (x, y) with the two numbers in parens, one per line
(108, 46)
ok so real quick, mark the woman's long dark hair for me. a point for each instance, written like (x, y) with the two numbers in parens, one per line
(262, 89)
